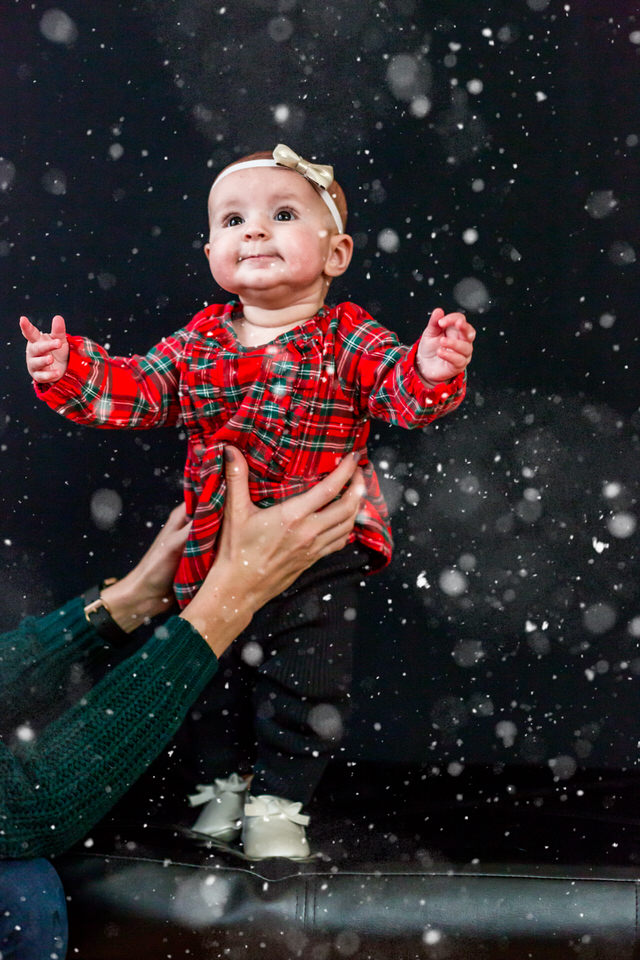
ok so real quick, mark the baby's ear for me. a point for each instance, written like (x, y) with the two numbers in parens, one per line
(207, 247)
(340, 253)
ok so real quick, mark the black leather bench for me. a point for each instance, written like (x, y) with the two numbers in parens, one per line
(399, 875)
(123, 905)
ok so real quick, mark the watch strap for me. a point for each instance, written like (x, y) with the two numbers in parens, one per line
(98, 615)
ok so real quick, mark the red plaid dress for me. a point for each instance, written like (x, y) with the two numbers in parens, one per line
(294, 407)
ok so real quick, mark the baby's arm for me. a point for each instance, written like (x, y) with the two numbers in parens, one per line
(445, 347)
(385, 376)
(85, 383)
(47, 353)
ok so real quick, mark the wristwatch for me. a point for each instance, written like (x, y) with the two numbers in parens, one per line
(97, 614)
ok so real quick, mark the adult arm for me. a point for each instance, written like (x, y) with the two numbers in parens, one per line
(40, 659)
(54, 788)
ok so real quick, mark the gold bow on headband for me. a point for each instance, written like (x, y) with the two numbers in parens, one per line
(319, 173)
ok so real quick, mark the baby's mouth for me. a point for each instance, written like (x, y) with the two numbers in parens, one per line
(257, 256)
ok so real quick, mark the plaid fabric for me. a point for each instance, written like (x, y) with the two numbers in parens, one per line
(294, 407)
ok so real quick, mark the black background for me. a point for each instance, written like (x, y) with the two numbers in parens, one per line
(507, 628)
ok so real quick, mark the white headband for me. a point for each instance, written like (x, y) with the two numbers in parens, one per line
(314, 172)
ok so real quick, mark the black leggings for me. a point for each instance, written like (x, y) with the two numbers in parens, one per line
(278, 704)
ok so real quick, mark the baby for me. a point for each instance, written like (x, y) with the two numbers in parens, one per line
(293, 384)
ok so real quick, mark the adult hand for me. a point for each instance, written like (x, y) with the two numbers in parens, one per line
(262, 550)
(147, 590)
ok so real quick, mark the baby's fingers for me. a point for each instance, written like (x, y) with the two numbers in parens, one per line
(29, 332)
(455, 351)
(43, 347)
(58, 328)
(461, 327)
(39, 344)
(40, 363)
(44, 376)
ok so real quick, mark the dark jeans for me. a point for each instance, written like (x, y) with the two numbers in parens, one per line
(33, 912)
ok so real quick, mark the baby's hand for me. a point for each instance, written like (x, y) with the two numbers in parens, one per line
(445, 346)
(47, 353)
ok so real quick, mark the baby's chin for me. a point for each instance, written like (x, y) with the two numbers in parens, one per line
(261, 283)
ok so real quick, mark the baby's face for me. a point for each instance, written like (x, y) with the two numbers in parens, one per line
(271, 236)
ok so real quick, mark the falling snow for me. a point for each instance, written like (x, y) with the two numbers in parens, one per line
(106, 507)
(58, 27)
(509, 621)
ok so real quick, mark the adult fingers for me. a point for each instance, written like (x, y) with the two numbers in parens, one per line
(174, 538)
(334, 545)
(326, 542)
(176, 526)
(326, 489)
(349, 501)
(339, 516)
(177, 518)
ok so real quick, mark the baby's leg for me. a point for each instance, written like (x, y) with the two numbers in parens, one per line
(301, 695)
(215, 740)
(217, 736)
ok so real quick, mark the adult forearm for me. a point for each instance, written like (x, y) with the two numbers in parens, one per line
(131, 603)
(61, 784)
(35, 658)
(220, 613)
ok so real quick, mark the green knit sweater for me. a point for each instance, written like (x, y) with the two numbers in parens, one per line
(56, 783)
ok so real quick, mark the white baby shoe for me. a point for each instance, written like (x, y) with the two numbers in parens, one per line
(274, 827)
(222, 816)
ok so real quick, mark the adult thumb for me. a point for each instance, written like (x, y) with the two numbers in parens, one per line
(236, 474)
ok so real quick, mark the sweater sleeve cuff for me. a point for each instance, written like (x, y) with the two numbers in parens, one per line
(185, 651)
(67, 627)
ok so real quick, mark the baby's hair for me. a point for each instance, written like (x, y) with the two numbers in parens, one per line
(334, 189)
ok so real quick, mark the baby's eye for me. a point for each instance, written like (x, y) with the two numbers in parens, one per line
(284, 215)
(233, 221)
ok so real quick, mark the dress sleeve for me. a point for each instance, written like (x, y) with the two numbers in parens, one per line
(388, 385)
(56, 787)
(130, 393)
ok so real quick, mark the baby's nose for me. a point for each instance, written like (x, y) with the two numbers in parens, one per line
(256, 227)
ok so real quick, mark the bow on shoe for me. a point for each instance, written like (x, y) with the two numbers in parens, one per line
(319, 173)
(266, 806)
(212, 791)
